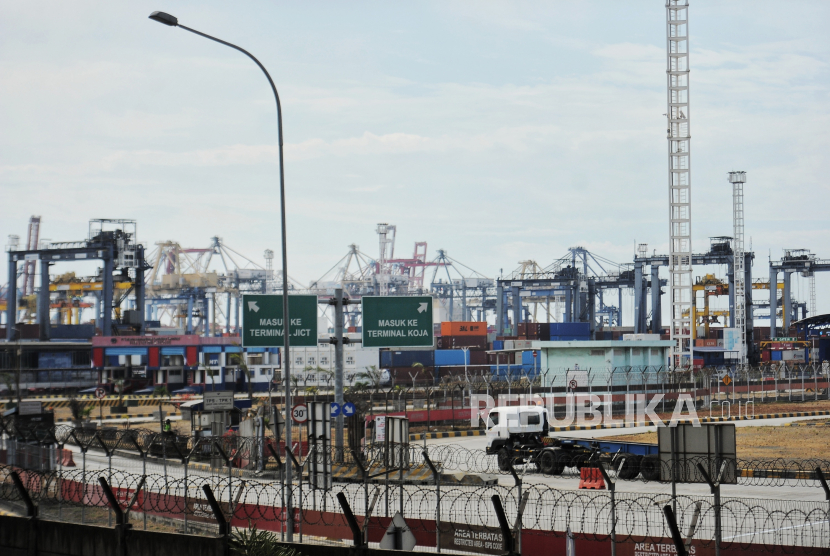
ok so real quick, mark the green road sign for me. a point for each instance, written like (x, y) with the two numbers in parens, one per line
(262, 320)
(397, 321)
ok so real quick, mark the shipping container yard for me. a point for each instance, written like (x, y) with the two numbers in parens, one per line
(425, 277)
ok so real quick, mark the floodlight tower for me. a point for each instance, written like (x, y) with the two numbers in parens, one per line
(269, 271)
(386, 238)
(680, 199)
(737, 179)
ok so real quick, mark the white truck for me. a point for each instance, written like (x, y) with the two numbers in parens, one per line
(519, 434)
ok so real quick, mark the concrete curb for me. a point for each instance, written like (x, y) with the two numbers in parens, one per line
(235, 472)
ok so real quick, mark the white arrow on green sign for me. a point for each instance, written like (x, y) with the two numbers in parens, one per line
(262, 320)
(397, 321)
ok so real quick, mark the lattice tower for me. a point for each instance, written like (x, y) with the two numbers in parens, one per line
(680, 201)
(737, 179)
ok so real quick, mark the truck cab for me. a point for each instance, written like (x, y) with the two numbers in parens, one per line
(522, 424)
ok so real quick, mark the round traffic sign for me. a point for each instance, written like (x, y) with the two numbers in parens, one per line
(100, 393)
(335, 409)
(349, 409)
(535, 354)
(299, 413)
(573, 383)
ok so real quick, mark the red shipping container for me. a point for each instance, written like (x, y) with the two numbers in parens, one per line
(153, 357)
(765, 355)
(98, 357)
(192, 355)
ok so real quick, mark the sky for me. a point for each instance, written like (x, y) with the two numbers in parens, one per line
(497, 131)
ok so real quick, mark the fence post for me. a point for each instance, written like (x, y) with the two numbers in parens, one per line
(143, 477)
(280, 468)
(299, 467)
(113, 502)
(31, 513)
(715, 489)
(357, 535)
(675, 531)
(230, 476)
(437, 477)
(520, 507)
(31, 509)
(506, 534)
(612, 487)
(217, 511)
(826, 488)
(364, 474)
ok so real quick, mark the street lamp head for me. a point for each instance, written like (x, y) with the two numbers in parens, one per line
(167, 19)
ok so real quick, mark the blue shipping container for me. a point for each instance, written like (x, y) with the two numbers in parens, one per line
(452, 357)
(528, 359)
(570, 329)
(385, 358)
(498, 344)
(569, 338)
(775, 355)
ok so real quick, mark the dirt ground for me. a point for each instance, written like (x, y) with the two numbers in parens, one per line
(789, 442)
(62, 413)
(782, 406)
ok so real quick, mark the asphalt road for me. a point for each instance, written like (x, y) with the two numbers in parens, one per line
(791, 491)
(557, 508)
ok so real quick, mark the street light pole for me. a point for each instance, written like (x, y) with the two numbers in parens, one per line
(172, 21)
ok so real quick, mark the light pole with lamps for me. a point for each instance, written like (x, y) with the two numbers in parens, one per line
(172, 21)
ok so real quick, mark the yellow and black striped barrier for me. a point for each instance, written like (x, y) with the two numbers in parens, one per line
(778, 474)
(446, 434)
(124, 416)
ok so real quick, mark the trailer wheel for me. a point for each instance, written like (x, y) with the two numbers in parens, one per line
(503, 459)
(650, 468)
(631, 467)
(550, 464)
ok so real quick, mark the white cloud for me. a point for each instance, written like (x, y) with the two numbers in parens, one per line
(498, 132)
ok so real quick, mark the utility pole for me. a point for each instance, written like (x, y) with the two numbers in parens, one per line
(339, 303)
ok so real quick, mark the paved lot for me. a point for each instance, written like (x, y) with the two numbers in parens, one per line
(793, 491)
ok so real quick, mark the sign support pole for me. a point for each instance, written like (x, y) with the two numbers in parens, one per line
(338, 372)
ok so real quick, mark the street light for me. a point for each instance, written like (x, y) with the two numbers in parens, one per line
(172, 21)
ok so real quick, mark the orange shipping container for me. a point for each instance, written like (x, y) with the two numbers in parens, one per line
(463, 328)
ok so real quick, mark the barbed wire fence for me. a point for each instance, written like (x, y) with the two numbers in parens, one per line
(36, 449)
(548, 512)
(150, 463)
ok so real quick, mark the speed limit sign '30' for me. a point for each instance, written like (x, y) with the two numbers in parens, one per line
(299, 413)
